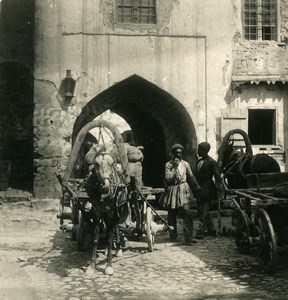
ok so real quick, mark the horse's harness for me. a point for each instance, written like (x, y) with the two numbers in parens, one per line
(116, 185)
(240, 161)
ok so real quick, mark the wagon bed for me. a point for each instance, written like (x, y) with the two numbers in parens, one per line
(261, 218)
(78, 198)
(79, 191)
(257, 199)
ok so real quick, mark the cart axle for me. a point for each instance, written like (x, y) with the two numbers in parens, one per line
(64, 216)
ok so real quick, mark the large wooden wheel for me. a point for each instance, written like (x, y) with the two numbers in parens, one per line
(150, 236)
(242, 225)
(75, 222)
(228, 139)
(81, 232)
(268, 241)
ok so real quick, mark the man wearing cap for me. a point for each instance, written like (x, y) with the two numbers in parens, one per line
(207, 170)
(179, 181)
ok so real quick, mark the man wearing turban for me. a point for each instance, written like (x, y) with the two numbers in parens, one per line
(179, 183)
(207, 170)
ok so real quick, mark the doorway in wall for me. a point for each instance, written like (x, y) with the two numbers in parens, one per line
(157, 121)
(262, 126)
(16, 126)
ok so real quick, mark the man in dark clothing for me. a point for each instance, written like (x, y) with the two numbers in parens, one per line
(207, 169)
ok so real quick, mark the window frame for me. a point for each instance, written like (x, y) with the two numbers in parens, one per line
(116, 18)
(260, 26)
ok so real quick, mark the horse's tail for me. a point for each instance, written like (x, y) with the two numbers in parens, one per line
(225, 144)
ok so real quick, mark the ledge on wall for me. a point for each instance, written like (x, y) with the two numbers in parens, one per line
(241, 79)
(238, 80)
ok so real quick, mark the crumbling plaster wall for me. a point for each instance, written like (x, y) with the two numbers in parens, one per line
(265, 96)
(268, 61)
(260, 58)
(185, 54)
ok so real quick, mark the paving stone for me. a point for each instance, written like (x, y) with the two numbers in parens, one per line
(172, 270)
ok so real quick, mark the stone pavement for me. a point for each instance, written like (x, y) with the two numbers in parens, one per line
(38, 261)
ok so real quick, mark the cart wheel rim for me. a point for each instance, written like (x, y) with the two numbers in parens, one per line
(150, 236)
(268, 245)
(80, 232)
(242, 225)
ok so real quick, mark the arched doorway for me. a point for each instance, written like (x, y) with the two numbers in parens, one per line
(16, 125)
(157, 120)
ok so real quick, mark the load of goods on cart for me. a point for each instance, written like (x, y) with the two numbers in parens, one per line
(259, 191)
(111, 193)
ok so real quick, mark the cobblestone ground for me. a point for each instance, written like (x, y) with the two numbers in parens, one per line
(38, 261)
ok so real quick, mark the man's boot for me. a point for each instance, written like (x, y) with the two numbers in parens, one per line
(200, 232)
(173, 235)
(188, 228)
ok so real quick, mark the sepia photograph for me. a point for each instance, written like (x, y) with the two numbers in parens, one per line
(143, 148)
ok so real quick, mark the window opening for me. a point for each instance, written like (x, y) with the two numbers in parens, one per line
(262, 126)
(136, 11)
(260, 20)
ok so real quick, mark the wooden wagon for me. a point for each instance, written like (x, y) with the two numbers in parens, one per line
(261, 220)
(261, 199)
(75, 207)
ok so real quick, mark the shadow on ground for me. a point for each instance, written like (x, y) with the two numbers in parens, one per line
(219, 254)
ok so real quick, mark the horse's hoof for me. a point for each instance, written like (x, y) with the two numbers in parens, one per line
(109, 271)
(89, 272)
(119, 253)
(106, 252)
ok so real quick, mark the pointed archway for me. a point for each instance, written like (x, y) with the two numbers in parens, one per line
(157, 119)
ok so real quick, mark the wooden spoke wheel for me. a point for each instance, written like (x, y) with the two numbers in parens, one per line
(81, 232)
(268, 241)
(242, 225)
(75, 222)
(150, 236)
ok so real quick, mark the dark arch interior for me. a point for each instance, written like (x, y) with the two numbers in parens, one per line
(16, 126)
(157, 120)
(147, 132)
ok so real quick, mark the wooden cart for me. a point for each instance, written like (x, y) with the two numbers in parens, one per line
(261, 216)
(75, 204)
(261, 219)
(75, 209)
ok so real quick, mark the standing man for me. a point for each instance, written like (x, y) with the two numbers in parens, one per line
(179, 180)
(207, 170)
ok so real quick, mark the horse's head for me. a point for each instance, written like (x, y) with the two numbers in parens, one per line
(104, 169)
(106, 172)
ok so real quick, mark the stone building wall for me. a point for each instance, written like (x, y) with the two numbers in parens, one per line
(171, 81)
(265, 58)
(180, 57)
(259, 79)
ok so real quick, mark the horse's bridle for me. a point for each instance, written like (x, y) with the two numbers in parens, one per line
(114, 185)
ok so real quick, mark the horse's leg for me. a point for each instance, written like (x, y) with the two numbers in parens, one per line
(109, 267)
(119, 252)
(92, 266)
